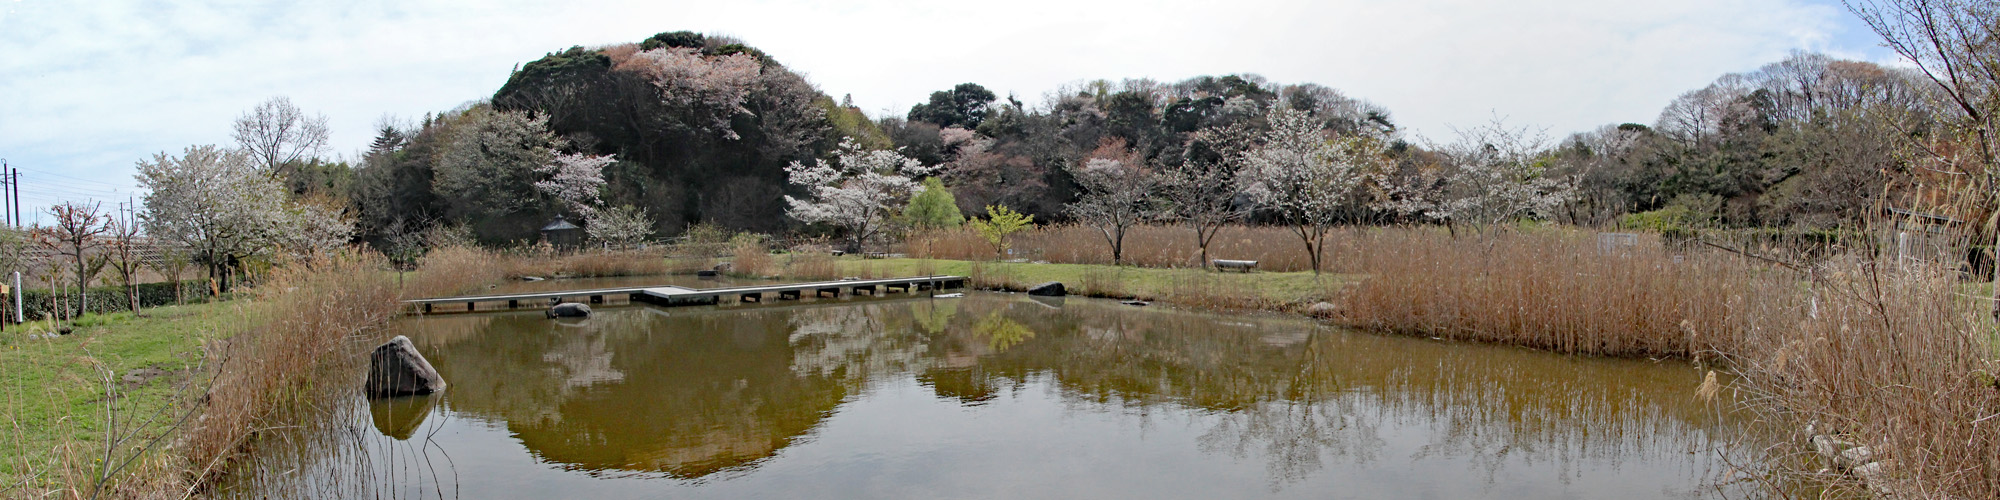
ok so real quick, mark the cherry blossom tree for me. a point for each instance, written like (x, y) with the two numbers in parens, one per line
(1118, 193)
(576, 179)
(621, 227)
(857, 191)
(214, 202)
(1306, 177)
(1498, 173)
(712, 86)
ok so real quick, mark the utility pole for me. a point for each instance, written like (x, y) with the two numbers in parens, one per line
(14, 184)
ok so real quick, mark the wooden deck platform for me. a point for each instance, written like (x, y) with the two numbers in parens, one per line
(667, 295)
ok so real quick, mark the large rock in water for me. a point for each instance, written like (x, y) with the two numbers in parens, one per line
(1050, 289)
(570, 310)
(396, 369)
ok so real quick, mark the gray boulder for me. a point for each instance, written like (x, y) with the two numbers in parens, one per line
(396, 369)
(570, 310)
(1050, 289)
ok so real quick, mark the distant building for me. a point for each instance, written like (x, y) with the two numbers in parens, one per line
(562, 234)
(1910, 235)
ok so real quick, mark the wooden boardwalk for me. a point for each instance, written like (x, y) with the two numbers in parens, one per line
(667, 295)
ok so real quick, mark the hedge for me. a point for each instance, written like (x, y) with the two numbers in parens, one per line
(105, 299)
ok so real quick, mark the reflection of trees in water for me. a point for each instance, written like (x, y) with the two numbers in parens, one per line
(1002, 333)
(1297, 394)
(691, 393)
(853, 341)
(695, 393)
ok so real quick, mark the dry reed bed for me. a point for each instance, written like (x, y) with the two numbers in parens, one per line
(1891, 357)
(1552, 290)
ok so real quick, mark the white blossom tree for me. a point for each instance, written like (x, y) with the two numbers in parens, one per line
(216, 203)
(1306, 177)
(712, 86)
(576, 179)
(857, 191)
(312, 227)
(1497, 173)
(1118, 193)
(621, 227)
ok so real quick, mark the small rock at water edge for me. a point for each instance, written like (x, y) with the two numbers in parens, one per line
(570, 310)
(532, 278)
(396, 369)
(1323, 310)
(1050, 289)
(1140, 303)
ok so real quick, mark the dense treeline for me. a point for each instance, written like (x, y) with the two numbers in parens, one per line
(695, 129)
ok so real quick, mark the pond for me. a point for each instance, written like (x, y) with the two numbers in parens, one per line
(1001, 396)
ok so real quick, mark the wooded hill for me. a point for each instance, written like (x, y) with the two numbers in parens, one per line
(702, 127)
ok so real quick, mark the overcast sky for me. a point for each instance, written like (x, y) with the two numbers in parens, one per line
(90, 87)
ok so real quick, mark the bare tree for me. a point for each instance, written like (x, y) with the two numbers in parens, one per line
(1118, 193)
(172, 263)
(123, 254)
(276, 133)
(74, 238)
(1207, 192)
(1956, 45)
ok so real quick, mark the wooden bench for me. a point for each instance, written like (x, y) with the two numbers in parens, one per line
(1240, 265)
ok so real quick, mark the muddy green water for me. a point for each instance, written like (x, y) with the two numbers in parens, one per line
(1000, 396)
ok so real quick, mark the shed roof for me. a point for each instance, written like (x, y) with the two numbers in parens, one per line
(560, 224)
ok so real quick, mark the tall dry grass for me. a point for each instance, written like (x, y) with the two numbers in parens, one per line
(1892, 357)
(812, 265)
(313, 327)
(752, 256)
(1551, 289)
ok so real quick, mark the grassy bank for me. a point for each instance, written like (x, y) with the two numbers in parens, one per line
(55, 388)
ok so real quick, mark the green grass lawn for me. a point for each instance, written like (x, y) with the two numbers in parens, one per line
(52, 390)
(1118, 281)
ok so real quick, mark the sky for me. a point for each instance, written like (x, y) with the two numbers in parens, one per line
(89, 88)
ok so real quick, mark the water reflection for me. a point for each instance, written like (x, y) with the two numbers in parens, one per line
(709, 396)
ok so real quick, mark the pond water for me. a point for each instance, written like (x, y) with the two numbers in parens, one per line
(1001, 396)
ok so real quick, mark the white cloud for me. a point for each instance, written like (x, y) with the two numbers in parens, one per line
(95, 86)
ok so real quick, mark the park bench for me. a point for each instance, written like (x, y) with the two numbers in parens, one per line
(1240, 265)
